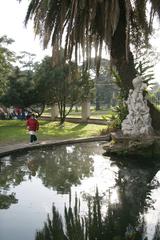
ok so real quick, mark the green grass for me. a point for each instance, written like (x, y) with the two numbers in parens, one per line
(14, 131)
(73, 114)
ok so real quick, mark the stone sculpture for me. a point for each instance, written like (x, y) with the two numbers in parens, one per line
(138, 121)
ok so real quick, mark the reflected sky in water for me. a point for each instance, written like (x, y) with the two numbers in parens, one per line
(30, 183)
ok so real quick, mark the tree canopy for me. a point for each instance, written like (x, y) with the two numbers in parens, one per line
(88, 22)
(20, 91)
(7, 58)
(63, 84)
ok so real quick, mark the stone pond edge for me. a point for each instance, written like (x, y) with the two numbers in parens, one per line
(10, 149)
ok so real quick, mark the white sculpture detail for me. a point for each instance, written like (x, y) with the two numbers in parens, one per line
(138, 121)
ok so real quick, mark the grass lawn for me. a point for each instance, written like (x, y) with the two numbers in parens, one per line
(94, 114)
(14, 131)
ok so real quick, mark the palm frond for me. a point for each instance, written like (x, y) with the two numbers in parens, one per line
(87, 23)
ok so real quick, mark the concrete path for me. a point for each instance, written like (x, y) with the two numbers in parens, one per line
(8, 149)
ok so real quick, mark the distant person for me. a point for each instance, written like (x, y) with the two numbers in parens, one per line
(32, 126)
(18, 111)
(23, 115)
(14, 115)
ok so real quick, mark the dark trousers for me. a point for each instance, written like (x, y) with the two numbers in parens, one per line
(33, 138)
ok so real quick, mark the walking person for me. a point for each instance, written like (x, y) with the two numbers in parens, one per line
(32, 126)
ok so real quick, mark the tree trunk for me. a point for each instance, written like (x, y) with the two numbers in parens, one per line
(54, 111)
(122, 58)
(97, 104)
(86, 110)
(121, 55)
(155, 115)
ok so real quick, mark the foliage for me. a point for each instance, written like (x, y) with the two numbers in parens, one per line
(115, 120)
(118, 81)
(7, 58)
(84, 25)
(120, 114)
(88, 22)
(120, 110)
(26, 60)
(63, 84)
(143, 65)
(144, 69)
(20, 91)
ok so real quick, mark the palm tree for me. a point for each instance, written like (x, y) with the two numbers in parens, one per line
(117, 23)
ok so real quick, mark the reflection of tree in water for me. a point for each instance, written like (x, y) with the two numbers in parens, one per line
(123, 220)
(12, 173)
(7, 200)
(64, 167)
(58, 168)
(134, 184)
(94, 226)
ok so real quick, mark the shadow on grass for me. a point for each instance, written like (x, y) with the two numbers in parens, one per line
(61, 134)
(79, 127)
(43, 123)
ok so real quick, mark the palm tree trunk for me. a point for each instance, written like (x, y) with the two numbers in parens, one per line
(123, 59)
(121, 55)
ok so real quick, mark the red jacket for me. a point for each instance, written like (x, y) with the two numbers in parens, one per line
(32, 124)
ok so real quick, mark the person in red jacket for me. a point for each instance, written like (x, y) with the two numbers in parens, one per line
(32, 126)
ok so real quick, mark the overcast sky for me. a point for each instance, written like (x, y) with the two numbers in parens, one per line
(12, 16)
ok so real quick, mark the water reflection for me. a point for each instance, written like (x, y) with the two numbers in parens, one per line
(122, 207)
(122, 220)
(91, 227)
(64, 167)
(58, 169)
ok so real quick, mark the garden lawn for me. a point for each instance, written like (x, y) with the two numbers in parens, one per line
(14, 131)
(94, 114)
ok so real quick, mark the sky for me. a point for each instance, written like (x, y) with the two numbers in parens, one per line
(12, 15)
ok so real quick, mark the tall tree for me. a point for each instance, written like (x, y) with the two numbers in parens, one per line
(7, 58)
(22, 92)
(63, 84)
(117, 23)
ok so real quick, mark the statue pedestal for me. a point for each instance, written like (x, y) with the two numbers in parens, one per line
(136, 138)
(138, 147)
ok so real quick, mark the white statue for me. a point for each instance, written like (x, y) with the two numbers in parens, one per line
(138, 120)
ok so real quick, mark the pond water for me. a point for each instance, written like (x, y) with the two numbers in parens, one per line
(30, 183)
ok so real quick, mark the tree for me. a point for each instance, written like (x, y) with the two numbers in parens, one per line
(7, 58)
(21, 92)
(26, 60)
(63, 84)
(117, 23)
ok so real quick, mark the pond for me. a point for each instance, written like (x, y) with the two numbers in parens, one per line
(78, 184)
